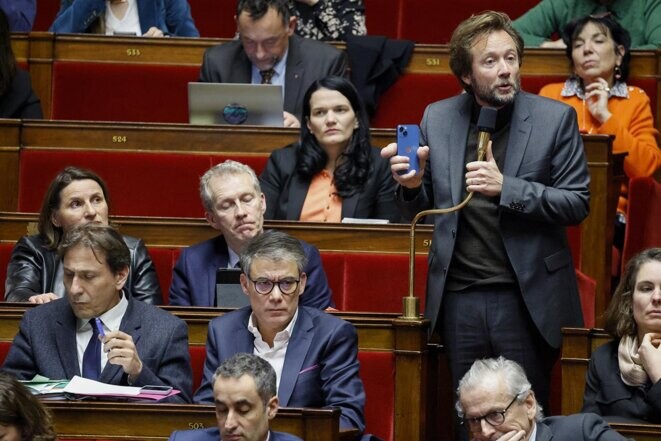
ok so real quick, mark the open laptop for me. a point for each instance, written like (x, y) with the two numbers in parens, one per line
(235, 104)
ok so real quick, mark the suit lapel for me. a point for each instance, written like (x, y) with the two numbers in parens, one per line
(297, 192)
(349, 205)
(519, 136)
(543, 433)
(457, 148)
(66, 324)
(297, 350)
(241, 69)
(293, 75)
(131, 325)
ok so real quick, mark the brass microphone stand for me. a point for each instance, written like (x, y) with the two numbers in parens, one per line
(411, 303)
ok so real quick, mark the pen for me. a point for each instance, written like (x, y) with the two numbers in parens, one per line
(99, 326)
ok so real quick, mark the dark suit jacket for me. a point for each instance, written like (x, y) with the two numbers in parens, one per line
(285, 190)
(20, 101)
(607, 395)
(213, 434)
(321, 364)
(46, 345)
(34, 269)
(577, 427)
(307, 61)
(545, 187)
(194, 275)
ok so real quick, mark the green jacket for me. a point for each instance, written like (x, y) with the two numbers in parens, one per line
(642, 18)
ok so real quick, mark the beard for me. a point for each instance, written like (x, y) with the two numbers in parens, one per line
(489, 93)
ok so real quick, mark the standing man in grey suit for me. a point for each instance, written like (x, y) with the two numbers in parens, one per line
(97, 331)
(501, 279)
(496, 402)
(267, 51)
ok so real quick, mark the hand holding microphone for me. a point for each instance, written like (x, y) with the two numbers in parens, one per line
(483, 175)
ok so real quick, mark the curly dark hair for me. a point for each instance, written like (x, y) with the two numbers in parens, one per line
(609, 26)
(353, 164)
(18, 407)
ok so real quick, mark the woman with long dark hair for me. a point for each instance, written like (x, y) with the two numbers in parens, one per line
(332, 172)
(17, 99)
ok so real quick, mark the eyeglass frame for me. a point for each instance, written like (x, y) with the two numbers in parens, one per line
(476, 422)
(296, 283)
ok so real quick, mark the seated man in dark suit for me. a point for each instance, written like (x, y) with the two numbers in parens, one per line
(244, 392)
(268, 52)
(313, 353)
(97, 331)
(496, 401)
(235, 206)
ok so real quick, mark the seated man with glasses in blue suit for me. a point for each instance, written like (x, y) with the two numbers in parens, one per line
(314, 354)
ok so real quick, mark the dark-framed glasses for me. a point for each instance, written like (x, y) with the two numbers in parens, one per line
(495, 418)
(286, 286)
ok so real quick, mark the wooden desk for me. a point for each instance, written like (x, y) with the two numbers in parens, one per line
(406, 339)
(139, 421)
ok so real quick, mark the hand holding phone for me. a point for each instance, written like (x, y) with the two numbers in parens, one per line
(408, 141)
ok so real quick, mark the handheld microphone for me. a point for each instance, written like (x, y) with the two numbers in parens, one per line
(486, 124)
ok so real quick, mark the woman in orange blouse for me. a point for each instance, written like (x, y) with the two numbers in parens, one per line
(332, 172)
(598, 50)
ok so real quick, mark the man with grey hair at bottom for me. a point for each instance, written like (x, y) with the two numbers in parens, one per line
(244, 391)
(314, 354)
(235, 206)
(496, 402)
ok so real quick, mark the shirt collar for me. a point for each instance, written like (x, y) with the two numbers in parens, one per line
(574, 87)
(285, 334)
(112, 318)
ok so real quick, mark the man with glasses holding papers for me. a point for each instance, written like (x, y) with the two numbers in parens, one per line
(98, 332)
(314, 354)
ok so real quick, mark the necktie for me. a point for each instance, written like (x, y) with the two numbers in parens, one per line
(92, 355)
(266, 75)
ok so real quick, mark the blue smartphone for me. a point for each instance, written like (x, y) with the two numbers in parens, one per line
(408, 141)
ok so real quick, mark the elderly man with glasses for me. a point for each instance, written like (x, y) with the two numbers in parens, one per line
(496, 401)
(314, 354)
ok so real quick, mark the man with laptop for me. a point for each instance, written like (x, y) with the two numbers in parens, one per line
(268, 52)
(234, 205)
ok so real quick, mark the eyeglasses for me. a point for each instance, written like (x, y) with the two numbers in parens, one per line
(495, 418)
(265, 286)
(602, 15)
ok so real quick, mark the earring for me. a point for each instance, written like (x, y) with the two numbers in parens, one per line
(618, 72)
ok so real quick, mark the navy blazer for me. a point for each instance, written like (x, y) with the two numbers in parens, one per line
(607, 395)
(285, 190)
(46, 345)
(213, 434)
(577, 427)
(194, 275)
(545, 187)
(173, 17)
(321, 364)
(307, 61)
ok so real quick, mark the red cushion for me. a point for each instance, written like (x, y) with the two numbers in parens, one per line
(377, 370)
(643, 214)
(256, 162)
(4, 349)
(46, 13)
(534, 83)
(587, 290)
(5, 255)
(405, 101)
(163, 263)
(334, 268)
(140, 184)
(381, 17)
(214, 18)
(121, 92)
(197, 356)
(574, 240)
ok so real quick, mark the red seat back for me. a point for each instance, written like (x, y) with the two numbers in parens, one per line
(377, 370)
(5, 255)
(214, 18)
(644, 212)
(197, 356)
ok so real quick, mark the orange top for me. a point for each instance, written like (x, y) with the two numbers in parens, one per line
(322, 204)
(632, 124)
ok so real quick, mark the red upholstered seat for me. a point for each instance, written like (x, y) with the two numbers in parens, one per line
(4, 349)
(644, 212)
(587, 290)
(377, 370)
(197, 356)
(164, 260)
(46, 12)
(121, 92)
(214, 18)
(405, 101)
(5, 255)
(381, 17)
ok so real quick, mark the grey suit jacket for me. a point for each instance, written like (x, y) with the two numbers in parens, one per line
(46, 345)
(545, 187)
(577, 427)
(307, 61)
